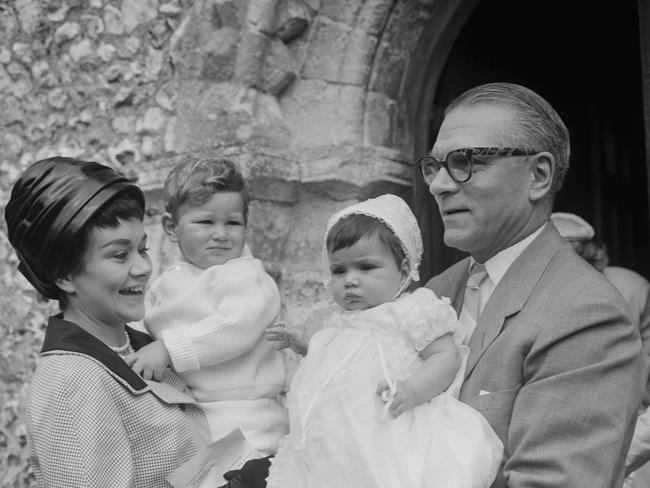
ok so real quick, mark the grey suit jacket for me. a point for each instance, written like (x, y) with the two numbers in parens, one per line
(555, 366)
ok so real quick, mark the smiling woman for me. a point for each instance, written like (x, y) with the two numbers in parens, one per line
(108, 288)
(77, 229)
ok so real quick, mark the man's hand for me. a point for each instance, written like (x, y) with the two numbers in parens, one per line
(149, 361)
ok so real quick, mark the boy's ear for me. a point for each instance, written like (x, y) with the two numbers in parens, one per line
(169, 226)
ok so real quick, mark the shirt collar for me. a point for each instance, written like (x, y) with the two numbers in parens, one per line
(498, 264)
(61, 335)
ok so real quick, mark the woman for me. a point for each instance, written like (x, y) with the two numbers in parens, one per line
(77, 229)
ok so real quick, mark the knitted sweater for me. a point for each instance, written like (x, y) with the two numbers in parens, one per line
(212, 323)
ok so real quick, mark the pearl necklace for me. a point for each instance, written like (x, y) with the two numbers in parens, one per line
(124, 349)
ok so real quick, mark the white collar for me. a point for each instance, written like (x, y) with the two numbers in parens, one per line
(498, 264)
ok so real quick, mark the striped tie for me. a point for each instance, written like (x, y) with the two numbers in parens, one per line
(477, 274)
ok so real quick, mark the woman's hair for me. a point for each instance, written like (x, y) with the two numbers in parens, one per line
(537, 125)
(351, 229)
(124, 206)
(193, 182)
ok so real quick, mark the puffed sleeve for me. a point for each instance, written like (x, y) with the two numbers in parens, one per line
(424, 317)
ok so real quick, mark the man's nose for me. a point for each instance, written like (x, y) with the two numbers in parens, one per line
(442, 183)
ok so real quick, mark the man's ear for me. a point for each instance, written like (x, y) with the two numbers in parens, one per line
(543, 168)
(66, 284)
(169, 226)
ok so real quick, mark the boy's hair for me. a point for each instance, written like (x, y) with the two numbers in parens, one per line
(193, 182)
(124, 206)
(351, 229)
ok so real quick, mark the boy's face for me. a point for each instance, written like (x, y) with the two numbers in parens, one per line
(365, 274)
(211, 233)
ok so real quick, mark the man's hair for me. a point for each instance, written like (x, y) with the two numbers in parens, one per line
(124, 206)
(537, 125)
(352, 228)
(194, 181)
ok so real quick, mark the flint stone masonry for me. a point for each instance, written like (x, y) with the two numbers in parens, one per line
(308, 96)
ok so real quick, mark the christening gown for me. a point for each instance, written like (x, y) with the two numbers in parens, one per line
(340, 435)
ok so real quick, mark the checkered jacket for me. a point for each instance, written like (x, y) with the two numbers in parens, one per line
(92, 422)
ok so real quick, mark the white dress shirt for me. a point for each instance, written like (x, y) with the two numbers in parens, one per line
(496, 267)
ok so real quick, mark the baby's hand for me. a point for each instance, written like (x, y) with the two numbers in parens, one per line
(149, 361)
(284, 337)
(402, 400)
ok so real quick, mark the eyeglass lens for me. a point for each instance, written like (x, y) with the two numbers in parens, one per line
(457, 165)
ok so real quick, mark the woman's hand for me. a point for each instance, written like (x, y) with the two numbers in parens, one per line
(149, 361)
(402, 400)
(284, 337)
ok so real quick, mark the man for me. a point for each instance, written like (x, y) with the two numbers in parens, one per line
(555, 365)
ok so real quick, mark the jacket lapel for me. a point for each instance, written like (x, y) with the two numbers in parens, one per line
(512, 292)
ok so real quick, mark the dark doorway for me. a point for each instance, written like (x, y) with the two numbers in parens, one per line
(585, 60)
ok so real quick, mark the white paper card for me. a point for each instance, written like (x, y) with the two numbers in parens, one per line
(207, 466)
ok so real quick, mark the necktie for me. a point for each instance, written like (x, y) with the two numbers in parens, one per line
(477, 274)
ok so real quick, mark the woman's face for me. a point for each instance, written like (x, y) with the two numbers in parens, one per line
(109, 289)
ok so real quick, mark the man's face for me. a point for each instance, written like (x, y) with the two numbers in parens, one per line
(487, 213)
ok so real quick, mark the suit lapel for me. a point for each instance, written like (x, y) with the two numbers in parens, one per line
(512, 292)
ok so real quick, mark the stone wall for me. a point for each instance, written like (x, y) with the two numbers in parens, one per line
(308, 96)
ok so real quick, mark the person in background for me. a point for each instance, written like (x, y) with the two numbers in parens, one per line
(636, 292)
(555, 365)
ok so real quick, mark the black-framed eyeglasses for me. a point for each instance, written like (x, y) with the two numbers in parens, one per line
(458, 162)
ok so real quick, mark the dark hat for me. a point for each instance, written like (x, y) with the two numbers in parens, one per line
(49, 205)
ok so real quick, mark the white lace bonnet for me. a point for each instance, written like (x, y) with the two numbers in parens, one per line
(398, 217)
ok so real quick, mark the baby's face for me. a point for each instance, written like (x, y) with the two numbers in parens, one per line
(211, 233)
(365, 274)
